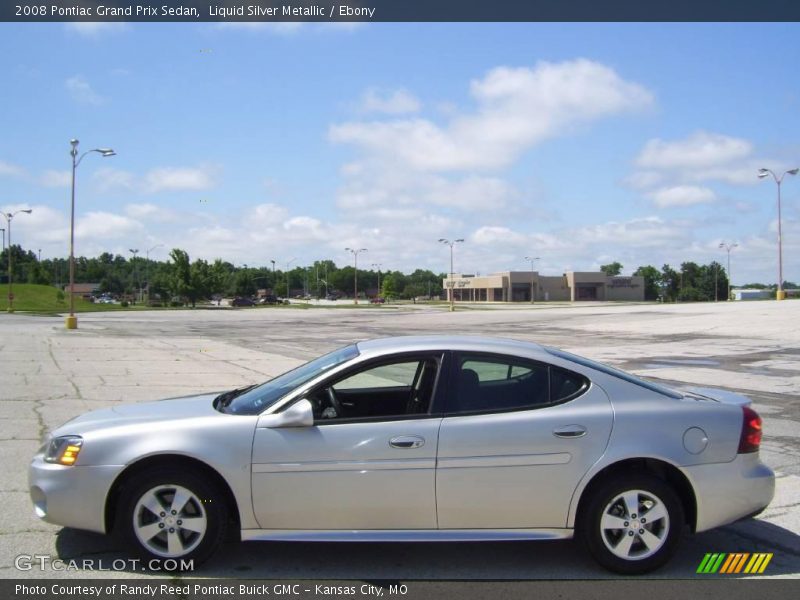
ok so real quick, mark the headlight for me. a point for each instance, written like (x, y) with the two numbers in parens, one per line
(64, 450)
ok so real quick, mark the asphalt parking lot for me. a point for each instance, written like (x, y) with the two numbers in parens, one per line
(49, 374)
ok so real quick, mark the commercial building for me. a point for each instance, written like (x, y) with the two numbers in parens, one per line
(518, 286)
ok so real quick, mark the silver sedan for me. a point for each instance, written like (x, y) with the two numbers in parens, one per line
(414, 439)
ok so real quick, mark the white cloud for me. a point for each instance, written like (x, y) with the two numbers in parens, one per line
(673, 170)
(96, 29)
(265, 216)
(10, 170)
(491, 236)
(517, 109)
(179, 178)
(701, 150)
(643, 180)
(682, 195)
(155, 214)
(392, 103)
(105, 225)
(52, 178)
(278, 27)
(82, 92)
(109, 179)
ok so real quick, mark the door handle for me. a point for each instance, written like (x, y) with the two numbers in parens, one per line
(407, 441)
(570, 431)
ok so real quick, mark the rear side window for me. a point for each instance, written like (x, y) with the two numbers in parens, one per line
(503, 383)
(659, 389)
(565, 384)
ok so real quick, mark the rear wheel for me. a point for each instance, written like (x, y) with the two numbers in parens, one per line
(632, 524)
(169, 514)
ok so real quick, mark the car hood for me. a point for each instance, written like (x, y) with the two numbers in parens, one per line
(186, 407)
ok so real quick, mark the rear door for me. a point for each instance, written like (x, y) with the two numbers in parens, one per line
(517, 437)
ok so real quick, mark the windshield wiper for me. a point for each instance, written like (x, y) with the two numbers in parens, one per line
(226, 398)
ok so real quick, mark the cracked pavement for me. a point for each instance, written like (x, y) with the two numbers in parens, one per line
(49, 375)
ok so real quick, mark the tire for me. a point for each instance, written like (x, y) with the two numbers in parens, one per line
(191, 533)
(617, 530)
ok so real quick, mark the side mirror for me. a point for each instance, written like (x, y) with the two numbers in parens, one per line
(299, 414)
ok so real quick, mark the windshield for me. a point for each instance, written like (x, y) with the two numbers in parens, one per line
(615, 373)
(259, 398)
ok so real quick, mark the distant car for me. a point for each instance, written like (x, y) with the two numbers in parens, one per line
(332, 297)
(242, 302)
(270, 299)
(438, 438)
(377, 300)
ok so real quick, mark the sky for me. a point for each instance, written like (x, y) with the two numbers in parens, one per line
(577, 144)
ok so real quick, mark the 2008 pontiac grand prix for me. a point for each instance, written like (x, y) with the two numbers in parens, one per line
(414, 439)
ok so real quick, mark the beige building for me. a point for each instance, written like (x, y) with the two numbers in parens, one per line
(516, 286)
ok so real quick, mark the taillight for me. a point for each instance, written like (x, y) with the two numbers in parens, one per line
(750, 439)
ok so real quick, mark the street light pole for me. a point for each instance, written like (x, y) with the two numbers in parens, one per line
(451, 282)
(762, 173)
(9, 217)
(533, 289)
(287, 276)
(135, 251)
(71, 321)
(728, 248)
(147, 269)
(378, 265)
(355, 274)
(4, 237)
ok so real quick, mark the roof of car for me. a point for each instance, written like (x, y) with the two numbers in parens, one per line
(449, 342)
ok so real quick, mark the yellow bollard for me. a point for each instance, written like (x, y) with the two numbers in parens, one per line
(71, 322)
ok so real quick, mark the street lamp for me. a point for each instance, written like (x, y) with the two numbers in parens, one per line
(135, 251)
(762, 173)
(4, 237)
(273, 266)
(728, 248)
(378, 266)
(533, 289)
(71, 321)
(355, 274)
(147, 269)
(451, 282)
(287, 276)
(9, 217)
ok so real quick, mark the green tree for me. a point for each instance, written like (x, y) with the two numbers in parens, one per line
(180, 276)
(244, 285)
(670, 283)
(652, 279)
(389, 286)
(611, 269)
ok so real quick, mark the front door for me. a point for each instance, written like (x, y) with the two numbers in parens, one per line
(369, 460)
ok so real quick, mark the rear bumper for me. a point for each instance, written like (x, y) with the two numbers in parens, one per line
(71, 496)
(727, 492)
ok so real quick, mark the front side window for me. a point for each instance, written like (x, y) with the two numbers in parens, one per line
(488, 384)
(251, 401)
(399, 388)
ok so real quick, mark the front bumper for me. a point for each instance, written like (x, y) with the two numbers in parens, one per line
(727, 492)
(71, 496)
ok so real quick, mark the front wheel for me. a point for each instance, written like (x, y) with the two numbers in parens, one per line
(170, 515)
(633, 524)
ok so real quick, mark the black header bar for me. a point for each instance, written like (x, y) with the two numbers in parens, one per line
(401, 10)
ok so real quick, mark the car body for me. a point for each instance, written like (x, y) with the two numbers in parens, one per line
(377, 300)
(270, 299)
(434, 438)
(242, 302)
